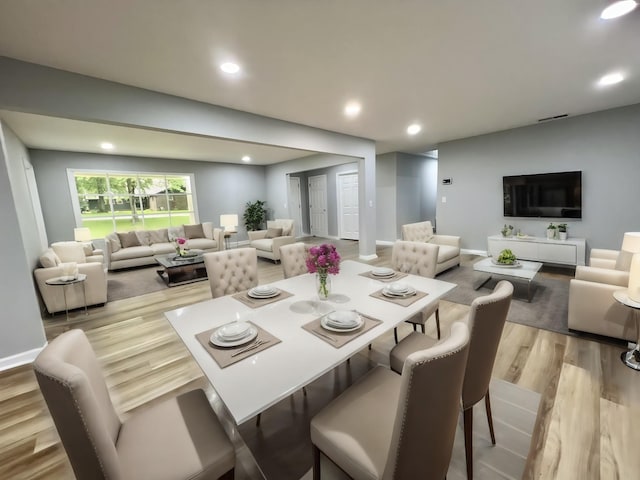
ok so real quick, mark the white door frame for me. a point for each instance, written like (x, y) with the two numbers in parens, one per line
(319, 228)
(295, 204)
(339, 200)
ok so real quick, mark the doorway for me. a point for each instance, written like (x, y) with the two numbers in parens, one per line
(318, 206)
(295, 204)
(348, 216)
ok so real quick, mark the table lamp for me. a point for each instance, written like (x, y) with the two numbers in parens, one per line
(82, 234)
(631, 244)
(229, 222)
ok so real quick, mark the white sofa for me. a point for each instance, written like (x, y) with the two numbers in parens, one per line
(267, 242)
(134, 249)
(89, 263)
(449, 252)
(592, 308)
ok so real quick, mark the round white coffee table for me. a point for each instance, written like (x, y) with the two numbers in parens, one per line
(631, 358)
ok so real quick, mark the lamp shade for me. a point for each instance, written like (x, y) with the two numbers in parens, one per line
(82, 234)
(229, 221)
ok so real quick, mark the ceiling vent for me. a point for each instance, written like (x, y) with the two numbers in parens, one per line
(556, 117)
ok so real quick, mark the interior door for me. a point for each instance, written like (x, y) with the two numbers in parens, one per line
(295, 204)
(318, 206)
(348, 218)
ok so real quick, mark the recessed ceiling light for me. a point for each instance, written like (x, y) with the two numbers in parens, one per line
(413, 129)
(618, 9)
(246, 158)
(610, 79)
(107, 146)
(230, 67)
(352, 109)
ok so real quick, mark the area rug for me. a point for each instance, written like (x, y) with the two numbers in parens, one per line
(549, 301)
(131, 282)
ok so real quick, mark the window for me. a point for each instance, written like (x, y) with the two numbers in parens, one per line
(112, 201)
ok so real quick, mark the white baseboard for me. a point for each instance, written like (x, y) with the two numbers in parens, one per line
(19, 359)
(384, 243)
(368, 257)
(482, 253)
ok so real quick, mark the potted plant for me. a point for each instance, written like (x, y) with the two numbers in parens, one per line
(551, 231)
(254, 215)
(562, 231)
(507, 230)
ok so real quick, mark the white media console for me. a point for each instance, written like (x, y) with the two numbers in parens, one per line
(539, 249)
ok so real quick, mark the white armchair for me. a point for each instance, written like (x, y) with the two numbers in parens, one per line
(449, 252)
(267, 242)
(95, 285)
(592, 307)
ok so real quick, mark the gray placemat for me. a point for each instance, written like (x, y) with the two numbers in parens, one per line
(338, 339)
(223, 355)
(395, 278)
(405, 302)
(260, 302)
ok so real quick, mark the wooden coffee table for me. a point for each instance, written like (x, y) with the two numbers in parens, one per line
(181, 270)
(523, 270)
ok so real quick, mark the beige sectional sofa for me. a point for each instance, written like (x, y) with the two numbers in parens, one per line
(89, 263)
(449, 251)
(137, 248)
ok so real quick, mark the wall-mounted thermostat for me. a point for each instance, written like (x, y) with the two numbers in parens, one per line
(447, 181)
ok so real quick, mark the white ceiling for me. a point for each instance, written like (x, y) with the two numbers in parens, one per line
(459, 68)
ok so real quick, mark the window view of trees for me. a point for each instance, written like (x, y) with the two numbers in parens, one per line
(118, 202)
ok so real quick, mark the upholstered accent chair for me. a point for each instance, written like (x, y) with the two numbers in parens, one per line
(88, 262)
(267, 242)
(449, 253)
(397, 426)
(178, 438)
(231, 271)
(592, 308)
(486, 322)
(417, 258)
(294, 259)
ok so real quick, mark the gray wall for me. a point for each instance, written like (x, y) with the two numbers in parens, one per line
(220, 187)
(386, 197)
(21, 331)
(604, 145)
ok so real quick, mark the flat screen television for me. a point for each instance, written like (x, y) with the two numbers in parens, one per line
(550, 195)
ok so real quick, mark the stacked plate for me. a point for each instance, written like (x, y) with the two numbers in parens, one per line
(233, 334)
(398, 290)
(383, 272)
(263, 291)
(342, 321)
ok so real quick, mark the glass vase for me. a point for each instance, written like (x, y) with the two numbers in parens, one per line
(323, 285)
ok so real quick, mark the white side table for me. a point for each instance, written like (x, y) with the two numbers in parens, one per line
(631, 358)
(64, 282)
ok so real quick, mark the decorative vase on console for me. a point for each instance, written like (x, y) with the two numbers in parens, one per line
(323, 260)
(551, 231)
(507, 230)
(562, 231)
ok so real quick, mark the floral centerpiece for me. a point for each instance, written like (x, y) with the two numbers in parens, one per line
(180, 244)
(323, 260)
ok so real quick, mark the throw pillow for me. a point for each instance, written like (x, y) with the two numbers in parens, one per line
(207, 228)
(69, 251)
(193, 231)
(49, 259)
(114, 240)
(273, 232)
(143, 237)
(128, 239)
(623, 262)
(175, 232)
(159, 236)
(88, 248)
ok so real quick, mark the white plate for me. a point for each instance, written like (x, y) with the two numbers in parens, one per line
(324, 322)
(383, 272)
(398, 288)
(516, 264)
(233, 331)
(343, 319)
(253, 294)
(219, 342)
(388, 293)
(263, 290)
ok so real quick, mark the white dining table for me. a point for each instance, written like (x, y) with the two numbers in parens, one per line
(253, 384)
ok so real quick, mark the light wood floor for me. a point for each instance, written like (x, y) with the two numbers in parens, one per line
(588, 425)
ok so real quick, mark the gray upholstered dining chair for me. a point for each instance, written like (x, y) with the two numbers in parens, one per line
(293, 258)
(417, 258)
(177, 438)
(486, 322)
(397, 426)
(231, 271)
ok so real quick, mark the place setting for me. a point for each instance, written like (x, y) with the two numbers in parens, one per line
(339, 327)
(384, 274)
(235, 341)
(261, 295)
(399, 292)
